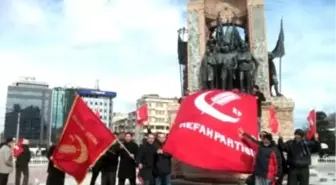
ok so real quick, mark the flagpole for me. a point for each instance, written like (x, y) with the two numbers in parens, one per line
(280, 74)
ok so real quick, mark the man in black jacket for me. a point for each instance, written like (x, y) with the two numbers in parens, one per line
(110, 165)
(260, 98)
(127, 165)
(163, 163)
(22, 162)
(146, 159)
(55, 176)
(298, 157)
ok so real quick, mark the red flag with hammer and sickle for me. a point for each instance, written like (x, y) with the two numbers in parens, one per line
(84, 139)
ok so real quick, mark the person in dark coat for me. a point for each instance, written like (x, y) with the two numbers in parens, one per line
(22, 162)
(163, 163)
(298, 157)
(95, 171)
(268, 162)
(127, 165)
(110, 165)
(260, 98)
(55, 176)
(146, 159)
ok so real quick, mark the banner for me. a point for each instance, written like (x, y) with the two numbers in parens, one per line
(205, 132)
(84, 139)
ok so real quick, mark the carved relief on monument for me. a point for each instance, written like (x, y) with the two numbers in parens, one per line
(231, 11)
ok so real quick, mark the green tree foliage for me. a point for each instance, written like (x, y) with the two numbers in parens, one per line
(325, 128)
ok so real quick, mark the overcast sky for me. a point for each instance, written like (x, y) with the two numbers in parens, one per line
(130, 46)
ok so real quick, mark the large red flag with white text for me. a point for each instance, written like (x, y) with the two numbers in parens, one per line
(205, 132)
(312, 124)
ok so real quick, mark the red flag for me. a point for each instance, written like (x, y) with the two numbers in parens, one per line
(205, 132)
(18, 148)
(84, 139)
(142, 115)
(312, 124)
(273, 120)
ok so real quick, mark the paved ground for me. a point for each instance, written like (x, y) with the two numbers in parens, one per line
(322, 174)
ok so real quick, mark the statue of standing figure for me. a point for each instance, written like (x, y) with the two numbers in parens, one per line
(227, 63)
(273, 76)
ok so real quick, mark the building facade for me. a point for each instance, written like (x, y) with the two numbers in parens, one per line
(101, 102)
(125, 123)
(159, 112)
(29, 104)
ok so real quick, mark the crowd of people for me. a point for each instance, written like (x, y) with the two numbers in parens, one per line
(126, 160)
(123, 159)
(271, 165)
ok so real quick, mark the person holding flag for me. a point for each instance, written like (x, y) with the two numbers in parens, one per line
(22, 161)
(55, 176)
(85, 138)
(298, 156)
(146, 160)
(127, 165)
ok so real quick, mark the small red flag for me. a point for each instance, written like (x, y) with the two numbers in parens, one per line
(142, 115)
(312, 124)
(18, 149)
(84, 139)
(273, 120)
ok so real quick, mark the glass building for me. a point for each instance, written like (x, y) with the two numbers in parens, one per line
(33, 101)
(58, 111)
(62, 99)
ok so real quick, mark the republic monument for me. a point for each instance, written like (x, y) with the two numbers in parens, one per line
(206, 19)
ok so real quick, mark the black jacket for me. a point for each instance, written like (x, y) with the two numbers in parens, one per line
(163, 163)
(51, 168)
(109, 161)
(127, 166)
(298, 152)
(260, 98)
(24, 158)
(146, 157)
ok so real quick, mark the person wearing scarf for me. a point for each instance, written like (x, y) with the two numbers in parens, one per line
(298, 157)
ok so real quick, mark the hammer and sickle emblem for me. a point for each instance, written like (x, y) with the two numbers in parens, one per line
(84, 154)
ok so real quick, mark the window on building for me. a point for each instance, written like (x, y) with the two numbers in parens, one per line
(100, 103)
(159, 127)
(96, 103)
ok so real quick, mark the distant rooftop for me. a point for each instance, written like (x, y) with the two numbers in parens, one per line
(27, 81)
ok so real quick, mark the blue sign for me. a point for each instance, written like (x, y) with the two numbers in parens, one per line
(96, 92)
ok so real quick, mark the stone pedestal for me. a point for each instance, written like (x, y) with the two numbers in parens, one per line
(284, 108)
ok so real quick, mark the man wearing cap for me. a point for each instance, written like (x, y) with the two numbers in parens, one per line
(22, 162)
(268, 162)
(298, 156)
(6, 161)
